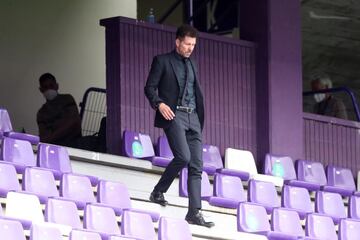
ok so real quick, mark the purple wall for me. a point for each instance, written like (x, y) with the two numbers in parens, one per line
(332, 141)
(226, 72)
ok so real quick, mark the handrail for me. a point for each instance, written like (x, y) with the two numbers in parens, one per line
(339, 89)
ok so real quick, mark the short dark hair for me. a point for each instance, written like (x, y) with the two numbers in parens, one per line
(46, 76)
(186, 31)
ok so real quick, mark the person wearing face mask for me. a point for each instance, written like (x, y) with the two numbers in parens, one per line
(58, 119)
(327, 104)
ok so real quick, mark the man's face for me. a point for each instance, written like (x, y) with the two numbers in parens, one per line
(48, 84)
(185, 46)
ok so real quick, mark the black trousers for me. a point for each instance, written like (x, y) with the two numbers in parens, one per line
(185, 140)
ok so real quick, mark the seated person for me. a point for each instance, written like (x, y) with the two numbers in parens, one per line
(327, 104)
(58, 119)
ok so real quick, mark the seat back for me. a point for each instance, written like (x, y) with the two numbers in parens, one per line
(252, 218)
(137, 145)
(39, 182)
(173, 229)
(296, 198)
(286, 221)
(163, 148)
(24, 206)
(100, 219)
(18, 151)
(54, 157)
(240, 160)
(279, 166)
(11, 230)
(138, 225)
(77, 187)
(206, 189)
(62, 212)
(340, 177)
(320, 226)
(44, 232)
(310, 171)
(114, 194)
(263, 193)
(211, 156)
(330, 204)
(5, 122)
(76, 234)
(349, 229)
(354, 207)
(229, 187)
(8, 179)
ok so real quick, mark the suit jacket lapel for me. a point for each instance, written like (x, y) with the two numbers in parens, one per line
(172, 63)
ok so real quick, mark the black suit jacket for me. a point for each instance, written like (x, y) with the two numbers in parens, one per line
(162, 86)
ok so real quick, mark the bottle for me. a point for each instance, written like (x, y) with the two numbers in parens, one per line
(151, 17)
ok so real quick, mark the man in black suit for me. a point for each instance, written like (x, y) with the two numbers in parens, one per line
(173, 90)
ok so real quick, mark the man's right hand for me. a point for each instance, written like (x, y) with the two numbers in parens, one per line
(166, 111)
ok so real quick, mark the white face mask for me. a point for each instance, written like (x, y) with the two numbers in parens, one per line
(319, 97)
(50, 94)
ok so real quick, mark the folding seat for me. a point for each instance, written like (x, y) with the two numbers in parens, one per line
(287, 221)
(173, 229)
(206, 189)
(7, 130)
(24, 207)
(19, 153)
(354, 207)
(11, 230)
(279, 166)
(116, 196)
(228, 191)
(241, 163)
(211, 159)
(137, 145)
(310, 175)
(101, 219)
(164, 153)
(117, 237)
(137, 225)
(339, 180)
(39, 182)
(263, 193)
(62, 212)
(330, 204)
(297, 199)
(77, 234)
(8, 179)
(44, 232)
(56, 159)
(349, 229)
(320, 226)
(77, 188)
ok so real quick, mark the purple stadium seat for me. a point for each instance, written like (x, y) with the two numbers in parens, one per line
(211, 159)
(137, 145)
(101, 219)
(354, 207)
(279, 166)
(7, 130)
(11, 230)
(8, 179)
(56, 159)
(137, 225)
(19, 153)
(330, 204)
(39, 182)
(311, 175)
(77, 188)
(286, 221)
(117, 237)
(228, 191)
(263, 193)
(44, 232)
(206, 189)
(164, 153)
(116, 196)
(297, 199)
(63, 212)
(349, 229)
(173, 229)
(320, 226)
(76, 234)
(339, 180)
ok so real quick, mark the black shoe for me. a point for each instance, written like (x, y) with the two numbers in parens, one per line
(198, 219)
(158, 197)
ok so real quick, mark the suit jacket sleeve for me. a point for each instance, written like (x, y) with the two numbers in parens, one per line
(152, 83)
